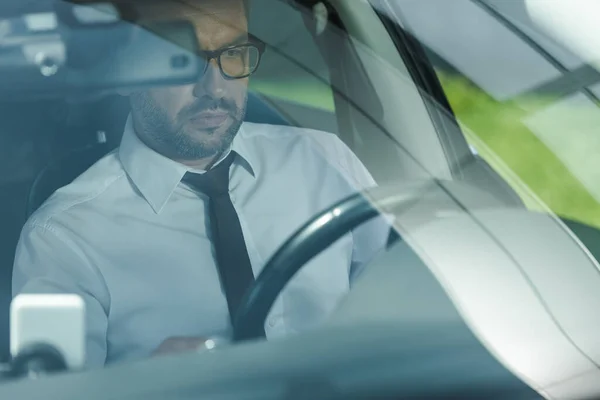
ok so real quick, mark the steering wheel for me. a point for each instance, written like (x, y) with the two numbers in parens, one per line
(312, 238)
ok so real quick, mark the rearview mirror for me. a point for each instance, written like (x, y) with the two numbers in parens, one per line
(91, 52)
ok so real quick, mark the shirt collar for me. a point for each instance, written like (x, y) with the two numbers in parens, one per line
(157, 176)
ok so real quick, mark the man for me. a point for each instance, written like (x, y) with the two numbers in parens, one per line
(156, 254)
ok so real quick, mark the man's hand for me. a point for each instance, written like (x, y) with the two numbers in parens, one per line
(176, 345)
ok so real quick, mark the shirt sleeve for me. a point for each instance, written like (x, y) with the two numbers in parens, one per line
(371, 237)
(47, 262)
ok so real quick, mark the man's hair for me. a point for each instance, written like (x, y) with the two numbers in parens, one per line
(246, 4)
(124, 6)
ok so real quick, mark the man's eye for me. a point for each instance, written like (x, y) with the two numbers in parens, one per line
(233, 53)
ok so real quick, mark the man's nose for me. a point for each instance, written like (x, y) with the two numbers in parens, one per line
(212, 83)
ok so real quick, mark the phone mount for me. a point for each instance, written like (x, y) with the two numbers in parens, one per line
(47, 334)
(34, 361)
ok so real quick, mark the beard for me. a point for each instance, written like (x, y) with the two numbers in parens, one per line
(174, 139)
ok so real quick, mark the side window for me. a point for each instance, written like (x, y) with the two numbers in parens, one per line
(293, 74)
(528, 106)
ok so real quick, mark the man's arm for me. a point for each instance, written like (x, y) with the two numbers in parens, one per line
(47, 262)
(369, 240)
(371, 237)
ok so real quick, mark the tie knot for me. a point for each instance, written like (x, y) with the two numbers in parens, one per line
(214, 182)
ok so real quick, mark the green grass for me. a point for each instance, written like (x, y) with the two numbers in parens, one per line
(497, 131)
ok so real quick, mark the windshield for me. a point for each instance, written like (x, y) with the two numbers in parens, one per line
(168, 162)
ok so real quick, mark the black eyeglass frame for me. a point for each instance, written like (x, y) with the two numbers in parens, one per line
(216, 55)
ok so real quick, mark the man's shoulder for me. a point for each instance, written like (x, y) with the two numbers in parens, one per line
(309, 144)
(269, 132)
(88, 189)
(323, 144)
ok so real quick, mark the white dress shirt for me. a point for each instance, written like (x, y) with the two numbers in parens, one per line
(135, 242)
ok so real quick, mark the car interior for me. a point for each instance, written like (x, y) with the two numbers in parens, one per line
(388, 108)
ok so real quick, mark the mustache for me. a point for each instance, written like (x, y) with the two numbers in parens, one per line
(201, 105)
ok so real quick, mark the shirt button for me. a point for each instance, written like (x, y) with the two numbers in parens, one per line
(273, 322)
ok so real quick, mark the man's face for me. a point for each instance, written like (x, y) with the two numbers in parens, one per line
(199, 121)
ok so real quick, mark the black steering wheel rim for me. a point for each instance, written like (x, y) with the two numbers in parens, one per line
(308, 241)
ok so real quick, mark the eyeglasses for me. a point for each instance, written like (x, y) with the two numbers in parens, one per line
(236, 62)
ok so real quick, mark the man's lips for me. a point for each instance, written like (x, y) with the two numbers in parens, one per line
(209, 119)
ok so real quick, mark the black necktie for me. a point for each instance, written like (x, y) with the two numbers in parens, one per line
(233, 263)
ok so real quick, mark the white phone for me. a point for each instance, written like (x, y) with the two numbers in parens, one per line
(53, 319)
